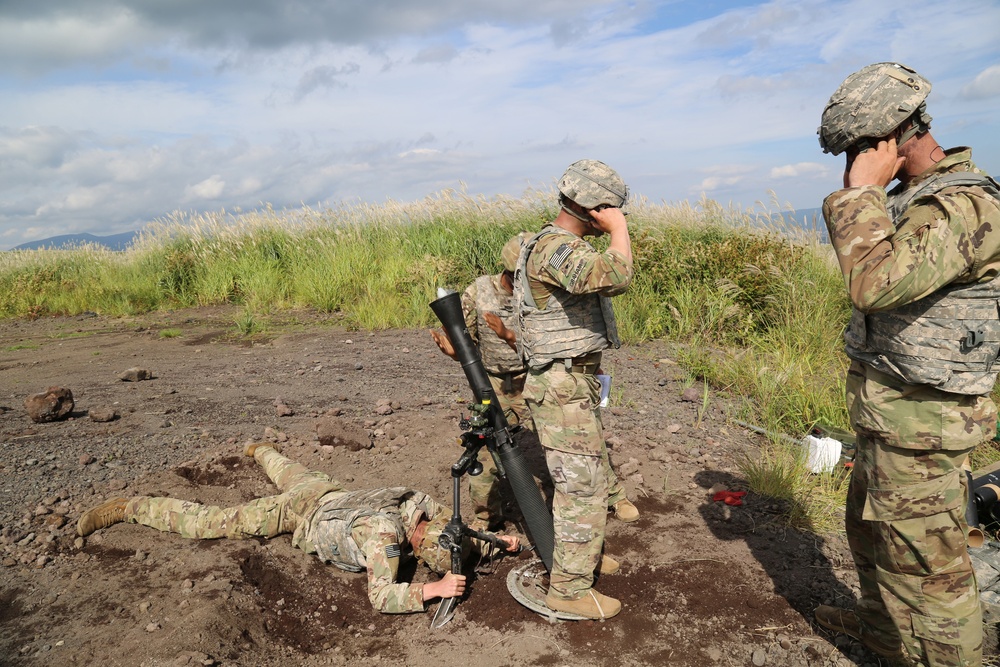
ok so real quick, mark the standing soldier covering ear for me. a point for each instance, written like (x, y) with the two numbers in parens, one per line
(564, 320)
(921, 263)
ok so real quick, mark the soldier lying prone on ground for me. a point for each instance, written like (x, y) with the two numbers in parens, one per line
(354, 530)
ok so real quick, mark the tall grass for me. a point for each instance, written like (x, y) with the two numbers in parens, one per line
(750, 307)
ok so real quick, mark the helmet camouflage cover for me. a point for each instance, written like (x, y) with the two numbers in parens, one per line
(871, 103)
(591, 183)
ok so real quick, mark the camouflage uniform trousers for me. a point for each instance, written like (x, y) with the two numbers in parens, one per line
(265, 517)
(568, 421)
(906, 526)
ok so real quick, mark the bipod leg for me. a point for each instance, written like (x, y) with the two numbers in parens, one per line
(452, 536)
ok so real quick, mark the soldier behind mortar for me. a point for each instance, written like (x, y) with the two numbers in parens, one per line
(564, 321)
(492, 294)
(354, 530)
(921, 264)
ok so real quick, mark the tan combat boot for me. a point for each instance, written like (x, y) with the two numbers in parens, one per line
(254, 446)
(625, 511)
(104, 515)
(591, 605)
(846, 622)
(608, 565)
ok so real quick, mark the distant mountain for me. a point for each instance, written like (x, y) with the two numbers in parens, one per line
(806, 218)
(112, 242)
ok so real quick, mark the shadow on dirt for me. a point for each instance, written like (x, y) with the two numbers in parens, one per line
(795, 560)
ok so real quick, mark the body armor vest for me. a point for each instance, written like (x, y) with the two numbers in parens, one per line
(950, 339)
(570, 325)
(498, 357)
(333, 522)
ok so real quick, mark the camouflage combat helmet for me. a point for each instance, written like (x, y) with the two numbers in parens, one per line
(870, 104)
(512, 250)
(591, 183)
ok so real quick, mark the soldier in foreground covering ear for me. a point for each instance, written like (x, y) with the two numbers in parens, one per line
(921, 262)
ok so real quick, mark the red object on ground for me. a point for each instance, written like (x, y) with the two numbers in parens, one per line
(734, 498)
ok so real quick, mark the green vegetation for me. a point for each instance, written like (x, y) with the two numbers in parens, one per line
(750, 309)
(21, 346)
(170, 333)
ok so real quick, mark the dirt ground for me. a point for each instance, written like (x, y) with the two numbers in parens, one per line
(702, 583)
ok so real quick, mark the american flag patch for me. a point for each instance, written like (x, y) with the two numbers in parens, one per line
(393, 551)
(559, 256)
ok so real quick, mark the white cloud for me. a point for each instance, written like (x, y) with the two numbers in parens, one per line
(211, 188)
(723, 177)
(985, 85)
(214, 107)
(799, 169)
(35, 35)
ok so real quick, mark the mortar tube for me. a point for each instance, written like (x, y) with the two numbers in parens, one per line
(537, 516)
(976, 536)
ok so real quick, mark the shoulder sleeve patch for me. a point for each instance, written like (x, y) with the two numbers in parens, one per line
(393, 551)
(559, 256)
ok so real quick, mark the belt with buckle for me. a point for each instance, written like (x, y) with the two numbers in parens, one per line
(586, 364)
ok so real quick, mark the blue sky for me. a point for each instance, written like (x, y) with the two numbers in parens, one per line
(117, 112)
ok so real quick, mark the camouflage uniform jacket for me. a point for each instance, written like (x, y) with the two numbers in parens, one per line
(561, 293)
(360, 530)
(487, 295)
(950, 237)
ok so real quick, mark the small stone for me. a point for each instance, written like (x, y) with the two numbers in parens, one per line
(759, 658)
(187, 585)
(673, 428)
(152, 627)
(102, 415)
(144, 606)
(135, 374)
(359, 366)
(86, 459)
(692, 395)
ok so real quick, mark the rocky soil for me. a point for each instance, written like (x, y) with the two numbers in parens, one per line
(702, 583)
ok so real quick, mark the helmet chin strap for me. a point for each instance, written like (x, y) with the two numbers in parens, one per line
(578, 216)
(921, 123)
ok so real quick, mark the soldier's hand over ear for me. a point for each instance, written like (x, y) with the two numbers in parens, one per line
(876, 166)
(609, 220)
